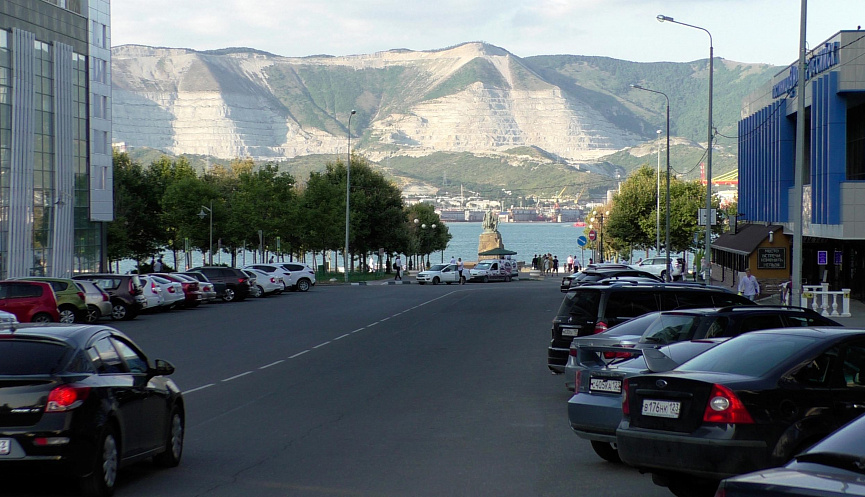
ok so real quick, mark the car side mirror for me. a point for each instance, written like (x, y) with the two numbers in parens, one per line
(163, 368)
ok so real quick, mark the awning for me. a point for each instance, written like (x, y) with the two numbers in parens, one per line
(749, 237)
(498, 251)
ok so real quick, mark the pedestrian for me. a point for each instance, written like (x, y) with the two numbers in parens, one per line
(157, 266)
(570, 267)
(453, 261)
(397, 266)
(556, 264)
(271, 260)
(460, 269)
(748, 286)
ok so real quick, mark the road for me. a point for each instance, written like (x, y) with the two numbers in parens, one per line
(377, 390)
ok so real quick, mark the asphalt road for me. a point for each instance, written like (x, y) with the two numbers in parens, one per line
(377, 390)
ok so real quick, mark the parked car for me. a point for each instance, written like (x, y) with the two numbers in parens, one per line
(267, 283)
(601, 273)
(591, 309)
(302, 276)
(658, 267)
(210, 291)
(29, 301)
(124, 290)
(595, 409)
(492, 270)
(70, 299)
(439, 273)
(192, 295)
(252, 278)
(72, 409)
(97, 300)
(152, 293)
(277, 271)
(832, 467)
(236, 282)
(172, 292)
(750, 403)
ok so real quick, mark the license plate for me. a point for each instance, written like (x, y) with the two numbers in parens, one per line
(5, 446)
(605, 385)
(570, 332)
(661, 408)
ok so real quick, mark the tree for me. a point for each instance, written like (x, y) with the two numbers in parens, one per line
(424, 239)
(135, 232)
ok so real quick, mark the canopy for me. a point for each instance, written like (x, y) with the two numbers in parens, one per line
(498, 251)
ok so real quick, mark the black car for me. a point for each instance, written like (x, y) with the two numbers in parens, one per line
(236, 281)
(590, 309)
(750, 403)
(603, 272)
(85, 400)
(125, 291)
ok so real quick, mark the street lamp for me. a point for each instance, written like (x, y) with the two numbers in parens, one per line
(598, 217)
(347, 192)
(707, 257)
(667, 239)
(202, 215)
(658, 199)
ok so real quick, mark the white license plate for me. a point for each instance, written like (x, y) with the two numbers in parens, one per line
(5, 446)
(661, 408)
(605, 385)
(570, 332)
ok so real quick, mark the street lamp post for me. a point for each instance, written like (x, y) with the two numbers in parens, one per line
(347, 196)
(598, 217)
(667, 239)
(201, 215)
(658, 199)
(707, 257)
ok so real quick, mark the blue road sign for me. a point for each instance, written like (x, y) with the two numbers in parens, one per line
(582, 241)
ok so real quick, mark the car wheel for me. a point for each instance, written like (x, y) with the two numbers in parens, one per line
(67, 315)
(436, 280)
(664, 275)
(42, 317)
(486, 279)
(119, 311)
(229, 295)
(100, 482)
(93, 314)
(174, 443)
(260, 290)
(606, 450)
(303, 285)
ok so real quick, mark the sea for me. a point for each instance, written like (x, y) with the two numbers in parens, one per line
(526, 239)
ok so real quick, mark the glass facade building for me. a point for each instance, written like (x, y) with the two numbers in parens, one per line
(55, 134)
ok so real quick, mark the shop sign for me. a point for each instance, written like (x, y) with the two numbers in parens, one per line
(771, 258)
(824, 59)
(822, 257)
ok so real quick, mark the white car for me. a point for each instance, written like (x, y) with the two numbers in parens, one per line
(151, 292)
(658, 266)
(267, 283)
(302, 276)
(491, 270)
(440, 273)
(275, 270)
(172, 293)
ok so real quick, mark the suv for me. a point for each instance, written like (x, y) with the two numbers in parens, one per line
(658, 267)
(70, 299)
(29, 301)
(236, 281)
(302, 276)
(590, 309)
(594, 275)
(124, 290)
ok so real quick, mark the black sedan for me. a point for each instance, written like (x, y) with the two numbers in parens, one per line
(750, 403)
(84, 400)
(832, 467)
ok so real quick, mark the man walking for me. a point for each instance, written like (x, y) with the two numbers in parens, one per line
(460, 270)
(748, 286)
(397, 265)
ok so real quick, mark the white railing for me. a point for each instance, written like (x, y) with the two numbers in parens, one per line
(822, 300)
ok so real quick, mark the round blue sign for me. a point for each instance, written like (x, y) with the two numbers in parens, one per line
(582, 241)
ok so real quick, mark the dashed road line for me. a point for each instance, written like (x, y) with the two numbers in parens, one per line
(341, 337)
(272, 364)
(299, 354)
(237, 376)
(202, 387)
(322, 344)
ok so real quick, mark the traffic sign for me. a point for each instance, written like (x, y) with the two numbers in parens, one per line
(582, 241)
(593, 235)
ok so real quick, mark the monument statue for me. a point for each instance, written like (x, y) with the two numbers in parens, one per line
(491, 222)
(490, 238)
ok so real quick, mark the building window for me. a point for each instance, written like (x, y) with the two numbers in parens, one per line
(856, 143)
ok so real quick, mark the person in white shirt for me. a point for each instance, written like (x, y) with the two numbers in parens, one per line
(460, 268)
(748, 286)
(397, 265)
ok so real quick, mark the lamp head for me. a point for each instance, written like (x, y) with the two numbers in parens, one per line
(637, 87)
(353, 112)
(202, 214)
(416, 221)
(662, 18)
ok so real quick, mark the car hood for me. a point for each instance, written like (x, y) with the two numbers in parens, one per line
(810, 479)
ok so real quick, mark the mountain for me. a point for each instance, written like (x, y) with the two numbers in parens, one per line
(473, 98)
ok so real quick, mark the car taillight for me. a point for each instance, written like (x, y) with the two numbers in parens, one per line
(725, 407)
(273, 280)
(153, 288)
(626, 410)
(572, 352)
(577, 380)
(66, 397)
(171, 289)
(619, 355)
(600, 327)
(105, 297)
(241, 280)
(81, 296)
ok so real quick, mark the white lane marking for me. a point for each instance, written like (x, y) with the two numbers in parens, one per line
(372, 324)
(385, 319)
(322, 344)
(359, 329)
(237, 376)
(272, 364)
(340, 338)
(299, 354)
(202, 387)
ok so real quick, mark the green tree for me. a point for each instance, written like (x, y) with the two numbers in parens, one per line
(135, 231)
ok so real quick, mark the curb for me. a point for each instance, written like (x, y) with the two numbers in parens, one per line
(400, 282)
(359, 283)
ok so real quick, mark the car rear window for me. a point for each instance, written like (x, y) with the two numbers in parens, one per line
(636, 326)
(671, 328)
(580, 303)
(25, 357)
(630, 304)
(751, 354)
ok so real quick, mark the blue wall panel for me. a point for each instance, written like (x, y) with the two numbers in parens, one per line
(828, 148)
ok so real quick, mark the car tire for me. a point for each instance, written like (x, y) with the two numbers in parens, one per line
(303, 285)
(103, 476)
(229, 295)
(606, 451)
(486, 279)
(92, 315)
(174, 441)
(436, 280)
(119, 311)
(68, 314)
(260, 290)
(42, 317)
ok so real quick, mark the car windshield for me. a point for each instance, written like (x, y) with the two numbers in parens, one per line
(438, 267)
(751, 354)
(26, 357)
(672, 328)
(484, 265)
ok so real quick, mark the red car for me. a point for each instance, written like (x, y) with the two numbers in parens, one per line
(194, 296)
(29, 301)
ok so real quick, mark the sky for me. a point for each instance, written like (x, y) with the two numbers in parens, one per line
(764, 31)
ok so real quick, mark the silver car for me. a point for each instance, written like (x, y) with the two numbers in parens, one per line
(97, 300)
